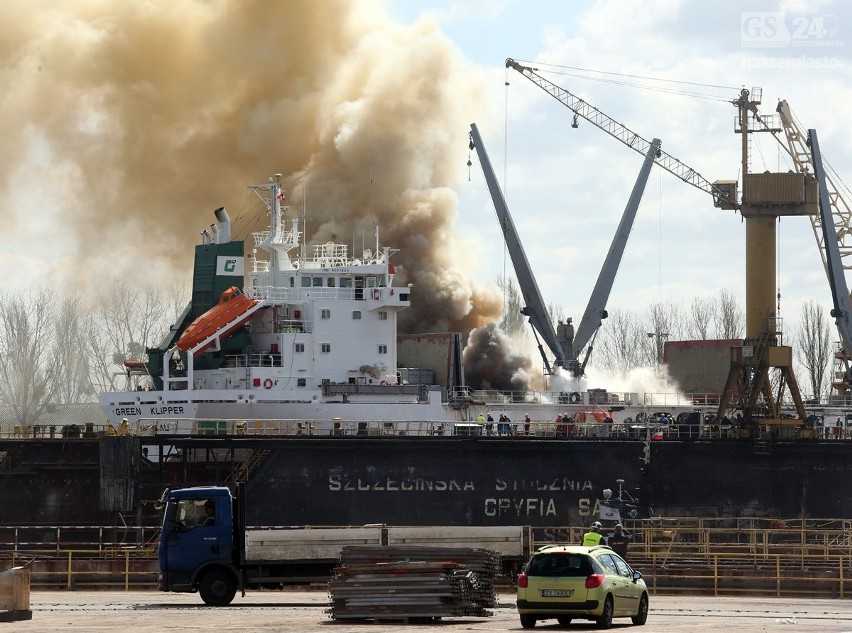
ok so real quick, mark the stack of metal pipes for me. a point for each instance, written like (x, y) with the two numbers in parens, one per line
(413, 583)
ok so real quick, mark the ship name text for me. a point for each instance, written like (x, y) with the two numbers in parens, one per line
(557, 484)
(135, 412)
(338, 484)
(524, 507)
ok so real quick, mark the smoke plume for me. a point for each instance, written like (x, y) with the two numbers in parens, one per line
(491, 362)
(134, 120)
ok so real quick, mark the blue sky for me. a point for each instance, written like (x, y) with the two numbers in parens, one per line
(566, 188)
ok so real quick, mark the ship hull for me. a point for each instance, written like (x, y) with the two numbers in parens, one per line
(527, 481)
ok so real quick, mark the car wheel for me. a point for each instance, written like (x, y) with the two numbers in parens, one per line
(604, 621)
(527, 621)
(564, 620)
(642, 615)
(217, 588)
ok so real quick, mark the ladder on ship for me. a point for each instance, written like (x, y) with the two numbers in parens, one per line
(242, 472)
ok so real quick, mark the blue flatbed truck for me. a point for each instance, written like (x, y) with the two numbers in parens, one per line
(206, 546)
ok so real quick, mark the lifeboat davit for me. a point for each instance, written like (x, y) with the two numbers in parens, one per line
(232, 304)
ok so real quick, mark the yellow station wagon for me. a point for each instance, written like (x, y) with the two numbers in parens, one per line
(565, 582)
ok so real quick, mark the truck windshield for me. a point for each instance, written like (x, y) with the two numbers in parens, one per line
(186, 514)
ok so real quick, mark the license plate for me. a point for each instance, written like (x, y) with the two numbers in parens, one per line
(556, 593)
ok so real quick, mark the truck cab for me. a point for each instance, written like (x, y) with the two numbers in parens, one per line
(197, 543)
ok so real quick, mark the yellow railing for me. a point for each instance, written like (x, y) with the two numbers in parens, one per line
(770, 557)
(77, 569)
(731, 574)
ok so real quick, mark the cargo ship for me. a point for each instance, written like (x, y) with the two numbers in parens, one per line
(313, 337)
(293, 384)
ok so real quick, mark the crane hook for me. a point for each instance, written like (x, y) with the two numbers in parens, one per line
(469, 162)
(574, 123)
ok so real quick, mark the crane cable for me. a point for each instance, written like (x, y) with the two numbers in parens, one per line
(624, 82)
(505, 190)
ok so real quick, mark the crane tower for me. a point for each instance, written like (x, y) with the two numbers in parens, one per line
(766, 197)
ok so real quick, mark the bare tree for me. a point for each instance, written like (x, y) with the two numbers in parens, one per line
(557, 314)
(616, 348)
(700, 319)
(729, 316)
(72, 377)
(28, 362)
(813, 347)
(125, 322)
(662, 323)
(513, 321)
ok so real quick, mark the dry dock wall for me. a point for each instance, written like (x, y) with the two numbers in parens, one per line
(428, 481)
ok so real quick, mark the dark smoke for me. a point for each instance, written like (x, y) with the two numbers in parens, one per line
(491, 362)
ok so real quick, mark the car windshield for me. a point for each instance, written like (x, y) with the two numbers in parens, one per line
(562, 564)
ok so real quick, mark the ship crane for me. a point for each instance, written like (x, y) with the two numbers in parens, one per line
(842, 310)
(765, 197)
(833, 232)
(563, 343)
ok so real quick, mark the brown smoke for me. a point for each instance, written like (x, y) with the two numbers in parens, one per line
(154, 113)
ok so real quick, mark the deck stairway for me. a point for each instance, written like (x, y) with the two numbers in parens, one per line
(243, 470)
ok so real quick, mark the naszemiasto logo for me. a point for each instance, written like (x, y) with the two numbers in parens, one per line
(777, 29)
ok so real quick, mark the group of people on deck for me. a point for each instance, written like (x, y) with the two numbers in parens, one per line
(504, 424)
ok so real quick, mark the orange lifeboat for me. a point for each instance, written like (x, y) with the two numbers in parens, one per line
(135, 365)
(232, 304)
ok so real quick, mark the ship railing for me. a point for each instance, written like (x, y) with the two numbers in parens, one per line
(70, 430)
(300, 295)
(597, 398)
(536, 429)
(620, 429)
(295, 427)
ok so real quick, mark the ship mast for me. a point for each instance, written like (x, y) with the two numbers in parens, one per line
(277, 241)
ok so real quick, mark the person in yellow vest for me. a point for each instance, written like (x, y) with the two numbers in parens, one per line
(593, 536)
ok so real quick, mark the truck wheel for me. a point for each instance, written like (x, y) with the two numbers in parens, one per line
(217, 588)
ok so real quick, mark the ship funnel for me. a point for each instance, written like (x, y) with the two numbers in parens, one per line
(214, 228)
(205, 236)
(224, 225)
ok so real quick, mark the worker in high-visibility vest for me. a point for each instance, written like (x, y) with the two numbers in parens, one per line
(593, 536)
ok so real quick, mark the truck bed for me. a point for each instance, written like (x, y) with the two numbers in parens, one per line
(320, 543)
